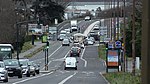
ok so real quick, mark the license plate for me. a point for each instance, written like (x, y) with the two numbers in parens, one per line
(10, 71)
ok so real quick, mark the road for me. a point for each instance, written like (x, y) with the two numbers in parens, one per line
(89, 71)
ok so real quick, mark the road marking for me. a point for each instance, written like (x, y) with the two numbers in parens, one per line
(50, 54)
(67, 54)
(104, 78)
(63, 26)
(31, 78)
(63, 81)
(82, 58)
(60, 59)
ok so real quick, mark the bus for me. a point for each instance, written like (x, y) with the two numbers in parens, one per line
(6, 51)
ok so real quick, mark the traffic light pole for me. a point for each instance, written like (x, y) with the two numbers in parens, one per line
(47, 58)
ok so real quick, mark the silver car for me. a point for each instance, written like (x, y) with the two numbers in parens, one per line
(65, 42)
(3, 72)
(27, 67)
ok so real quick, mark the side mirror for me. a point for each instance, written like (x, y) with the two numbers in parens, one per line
(29, 65)
(38, 65)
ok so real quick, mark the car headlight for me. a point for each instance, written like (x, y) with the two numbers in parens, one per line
(3, 72)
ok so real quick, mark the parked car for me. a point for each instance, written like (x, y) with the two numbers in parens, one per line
(13, 67)
(75, 51)
(70, 62)
(27, 67)
(37, 68)
(3, 72)
(65, 42)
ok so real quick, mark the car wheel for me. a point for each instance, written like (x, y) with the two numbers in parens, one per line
(20, 76)
(6, 80)
(75, 68)
(28, 75)
(34, 74)
(65, 68)
(37, 72)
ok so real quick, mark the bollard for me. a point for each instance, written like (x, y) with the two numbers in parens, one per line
(137, 63)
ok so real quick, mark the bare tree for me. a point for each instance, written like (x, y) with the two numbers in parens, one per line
(7, 21)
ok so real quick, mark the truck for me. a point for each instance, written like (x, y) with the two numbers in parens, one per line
(74, 26)
(52, 30)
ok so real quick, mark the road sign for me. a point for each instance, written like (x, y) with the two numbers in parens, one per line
(118, 44)
(111, 45)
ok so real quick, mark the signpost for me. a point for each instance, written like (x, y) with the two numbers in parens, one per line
(118, 44)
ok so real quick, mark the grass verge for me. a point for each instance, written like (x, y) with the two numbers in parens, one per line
(27, 46)
(34, 52)
(119, 77)
(102, 52)
(122, 78)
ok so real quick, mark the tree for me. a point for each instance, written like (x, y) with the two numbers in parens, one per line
(7, 21)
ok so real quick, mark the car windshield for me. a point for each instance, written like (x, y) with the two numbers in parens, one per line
(2, 65)
(75, 49)
(11, 62)
(24, 62)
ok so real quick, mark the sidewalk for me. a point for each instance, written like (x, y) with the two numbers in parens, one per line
(37, 46)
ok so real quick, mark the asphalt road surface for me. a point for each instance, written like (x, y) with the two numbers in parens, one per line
(89, 71)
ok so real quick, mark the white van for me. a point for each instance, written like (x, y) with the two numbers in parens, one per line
(70, 62)
(63, 32)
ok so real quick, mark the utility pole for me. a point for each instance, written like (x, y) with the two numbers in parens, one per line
(124, 36)
(114, 21)
(118, 19)
(133, 37)
(145, 51)
(111, 21)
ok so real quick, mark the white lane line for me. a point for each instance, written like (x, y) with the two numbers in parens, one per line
(31, 78)
(57, 59)
(50, 54)
(67, 54)
(63, 26)
(82, 57)
(63, 81)
(104, 77)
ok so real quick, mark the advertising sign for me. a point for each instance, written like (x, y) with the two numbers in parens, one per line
(112, 58)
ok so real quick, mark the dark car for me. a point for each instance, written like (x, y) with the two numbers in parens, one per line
(13, 67)
(75, 51)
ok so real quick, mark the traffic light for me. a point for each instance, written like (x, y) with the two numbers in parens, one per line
(106, 46)
(47, 44)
